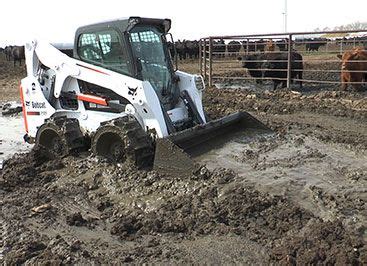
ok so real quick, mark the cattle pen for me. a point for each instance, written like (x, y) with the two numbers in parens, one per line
(221, 58)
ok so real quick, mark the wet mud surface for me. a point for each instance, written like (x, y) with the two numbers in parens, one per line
(297, 195)
(11, 137)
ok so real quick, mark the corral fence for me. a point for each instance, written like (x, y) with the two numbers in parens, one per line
(221, 58)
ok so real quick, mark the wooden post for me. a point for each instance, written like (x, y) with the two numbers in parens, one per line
(210, 61)
(289, 70)
(247, 43)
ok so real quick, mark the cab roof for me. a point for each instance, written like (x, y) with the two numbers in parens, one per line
(125, 24)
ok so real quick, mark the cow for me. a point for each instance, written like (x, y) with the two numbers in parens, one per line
(253, 64)
(260, 45)
(181, 49)
(192, 49)
(17, 53)
(274, 66)
(233, 48)
(270, 46)
(353, 68)
(219, 48)
(282, 45)
(7, 52)
(187, 49)
(171, 49)
(248, 46)
(315, 44)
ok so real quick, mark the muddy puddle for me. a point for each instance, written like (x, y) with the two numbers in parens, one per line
(11, 136)
(327, 179)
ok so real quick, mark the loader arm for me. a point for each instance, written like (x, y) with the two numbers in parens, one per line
(144, 103)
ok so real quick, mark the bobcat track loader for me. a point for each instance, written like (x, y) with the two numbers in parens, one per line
(119, 95)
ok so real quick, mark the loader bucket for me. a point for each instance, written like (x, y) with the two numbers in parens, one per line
(216, 132)
(190, 138)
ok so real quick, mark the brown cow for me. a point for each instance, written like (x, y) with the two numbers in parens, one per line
(354, 67)
(270, 46)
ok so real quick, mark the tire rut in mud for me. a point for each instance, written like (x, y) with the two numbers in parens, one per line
(167, 219)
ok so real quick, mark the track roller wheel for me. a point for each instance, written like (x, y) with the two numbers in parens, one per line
(123, 139)
(60, 137)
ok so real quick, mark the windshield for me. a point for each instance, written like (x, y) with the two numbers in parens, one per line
(148, 49)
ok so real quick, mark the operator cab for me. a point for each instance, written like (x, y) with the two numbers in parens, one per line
(136, 47)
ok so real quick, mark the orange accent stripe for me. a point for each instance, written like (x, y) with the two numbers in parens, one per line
(33, 113)
(23, 107)
(92, 99)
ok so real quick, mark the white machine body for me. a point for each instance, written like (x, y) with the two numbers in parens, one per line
(50, 73)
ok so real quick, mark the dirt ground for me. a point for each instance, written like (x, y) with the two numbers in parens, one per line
(294, 196)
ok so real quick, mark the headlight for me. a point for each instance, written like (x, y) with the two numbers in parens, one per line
(199, 83)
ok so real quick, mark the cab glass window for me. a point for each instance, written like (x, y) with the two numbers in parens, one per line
(105, 49)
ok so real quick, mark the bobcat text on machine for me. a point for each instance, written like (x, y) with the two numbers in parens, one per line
(119, 94)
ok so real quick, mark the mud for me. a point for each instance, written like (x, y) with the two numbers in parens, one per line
(11, 136)
(297, 195)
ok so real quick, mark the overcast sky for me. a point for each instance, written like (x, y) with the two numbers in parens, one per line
(56, 21)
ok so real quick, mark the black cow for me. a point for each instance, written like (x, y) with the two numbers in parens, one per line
(181, 49)
(254, 46)
(282, 45)
(315, 44)
(274, 66)
(187, 49)
(219, 48)
(17, 53)
(233, 48)
(249, 46)
(8, 53)
(253, 64)
(171, 49)
(260, 45)
(192, 49)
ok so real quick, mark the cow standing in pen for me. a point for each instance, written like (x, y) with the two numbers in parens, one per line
(274, 66)
(353, 68)
(17, 54)
(7, 52)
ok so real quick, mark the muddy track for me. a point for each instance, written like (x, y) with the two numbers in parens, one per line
(92, 213)
(333, 116)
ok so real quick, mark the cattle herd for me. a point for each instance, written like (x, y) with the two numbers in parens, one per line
(265, 58)
(15, 53)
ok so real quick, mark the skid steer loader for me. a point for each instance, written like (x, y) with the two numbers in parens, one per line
(119, 95)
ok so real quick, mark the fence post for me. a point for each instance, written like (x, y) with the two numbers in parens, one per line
(247, 45)
(201, 57)
(210, 61)
(289, 69)
(204, 59)
(341, 45)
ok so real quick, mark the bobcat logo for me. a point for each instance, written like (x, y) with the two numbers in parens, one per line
(132, 91)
